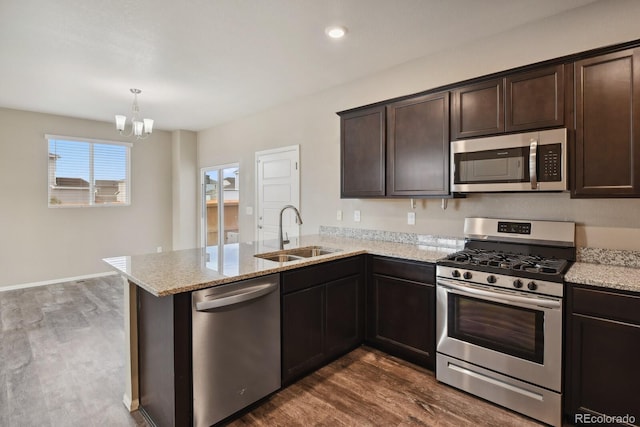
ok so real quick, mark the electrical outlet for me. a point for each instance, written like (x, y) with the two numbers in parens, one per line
(159, 249)
(411, 218)
(356, 216)
(339, 215)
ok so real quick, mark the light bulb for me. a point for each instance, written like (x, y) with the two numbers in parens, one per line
(336, 32)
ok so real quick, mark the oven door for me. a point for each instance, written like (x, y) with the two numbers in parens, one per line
(513, 333)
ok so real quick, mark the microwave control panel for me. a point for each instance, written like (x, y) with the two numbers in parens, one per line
(550, 162)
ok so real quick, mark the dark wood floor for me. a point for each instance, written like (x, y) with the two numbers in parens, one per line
(61, 364)
(369, 388)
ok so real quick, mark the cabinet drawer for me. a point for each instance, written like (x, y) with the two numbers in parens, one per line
(325, 272)
(610, 305)
(409, 270)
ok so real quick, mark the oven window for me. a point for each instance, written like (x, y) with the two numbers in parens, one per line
(505, 328)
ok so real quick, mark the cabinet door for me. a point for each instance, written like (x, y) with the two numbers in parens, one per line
(362, 162)
(302, 331)
(402, 318)
(607, 149)
(534, 99)
(604, 368)
(478, 110)
(344, 320)
(418, 146)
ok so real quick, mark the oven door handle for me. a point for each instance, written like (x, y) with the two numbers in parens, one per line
(533, 301)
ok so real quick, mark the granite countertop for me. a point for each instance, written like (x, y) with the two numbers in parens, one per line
(606, 276)
(169, 273)
(607, 268)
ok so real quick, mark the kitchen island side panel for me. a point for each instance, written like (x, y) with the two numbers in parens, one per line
(164, 358)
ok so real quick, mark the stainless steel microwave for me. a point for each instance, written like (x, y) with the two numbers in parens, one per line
(532, 161)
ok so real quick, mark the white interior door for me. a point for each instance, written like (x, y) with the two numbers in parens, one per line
(278, 182)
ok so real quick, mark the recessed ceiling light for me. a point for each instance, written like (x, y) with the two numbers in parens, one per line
(336, 32)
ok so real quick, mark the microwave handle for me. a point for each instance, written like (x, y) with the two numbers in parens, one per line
(533, 163)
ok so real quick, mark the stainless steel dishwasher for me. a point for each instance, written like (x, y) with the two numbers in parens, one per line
(236, 347)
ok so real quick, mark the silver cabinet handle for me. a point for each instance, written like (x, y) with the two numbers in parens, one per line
(251, 292)
(533, 164)
(532, 301)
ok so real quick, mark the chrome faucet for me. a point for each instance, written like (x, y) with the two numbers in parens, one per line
(298, 220)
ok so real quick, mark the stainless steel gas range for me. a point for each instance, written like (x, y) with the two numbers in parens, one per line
(499, 314)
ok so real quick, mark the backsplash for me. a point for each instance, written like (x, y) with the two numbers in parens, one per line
(425, 241)
(617, 257)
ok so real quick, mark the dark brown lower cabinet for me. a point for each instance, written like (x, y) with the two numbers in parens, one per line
(602, 357)
(322, 314)
(401, 309)
(303, 320)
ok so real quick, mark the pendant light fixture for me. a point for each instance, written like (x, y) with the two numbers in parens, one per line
(141, 128)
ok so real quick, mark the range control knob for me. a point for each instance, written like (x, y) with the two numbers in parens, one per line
(492, 279)
(517, 283)
(532, 286)
(455, 273)
(467, 275)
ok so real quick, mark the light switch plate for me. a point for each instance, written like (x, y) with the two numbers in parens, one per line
(411, 218)
(356, 216)
(249, 210)
(339, 215)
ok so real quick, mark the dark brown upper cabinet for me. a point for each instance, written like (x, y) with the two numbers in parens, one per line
(362, 147)
(607, 147)
(478, 109)
(418, 146)
(534, 99)
(521, 101)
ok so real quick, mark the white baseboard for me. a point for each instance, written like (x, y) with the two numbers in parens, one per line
(51, 282)
(131, 405)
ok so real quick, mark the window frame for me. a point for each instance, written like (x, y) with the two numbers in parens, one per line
(92, 194)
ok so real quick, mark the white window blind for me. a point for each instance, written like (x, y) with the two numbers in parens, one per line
(86, 172)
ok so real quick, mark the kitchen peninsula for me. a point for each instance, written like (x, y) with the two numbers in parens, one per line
(161, 285)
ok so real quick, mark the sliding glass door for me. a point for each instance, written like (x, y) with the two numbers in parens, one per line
(221, 198)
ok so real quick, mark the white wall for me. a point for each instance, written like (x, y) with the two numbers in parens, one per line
(185, 189)
(38, 243)
(312, 123)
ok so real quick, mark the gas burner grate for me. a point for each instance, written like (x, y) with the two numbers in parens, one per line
(508, 261)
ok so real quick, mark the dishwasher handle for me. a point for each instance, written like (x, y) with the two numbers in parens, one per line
(249, 293)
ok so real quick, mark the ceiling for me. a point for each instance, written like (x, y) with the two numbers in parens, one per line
(200, 63)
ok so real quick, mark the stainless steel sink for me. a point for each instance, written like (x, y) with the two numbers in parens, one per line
(279, 257)
(297, 253)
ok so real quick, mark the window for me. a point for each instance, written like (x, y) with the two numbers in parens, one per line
(84, 172)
